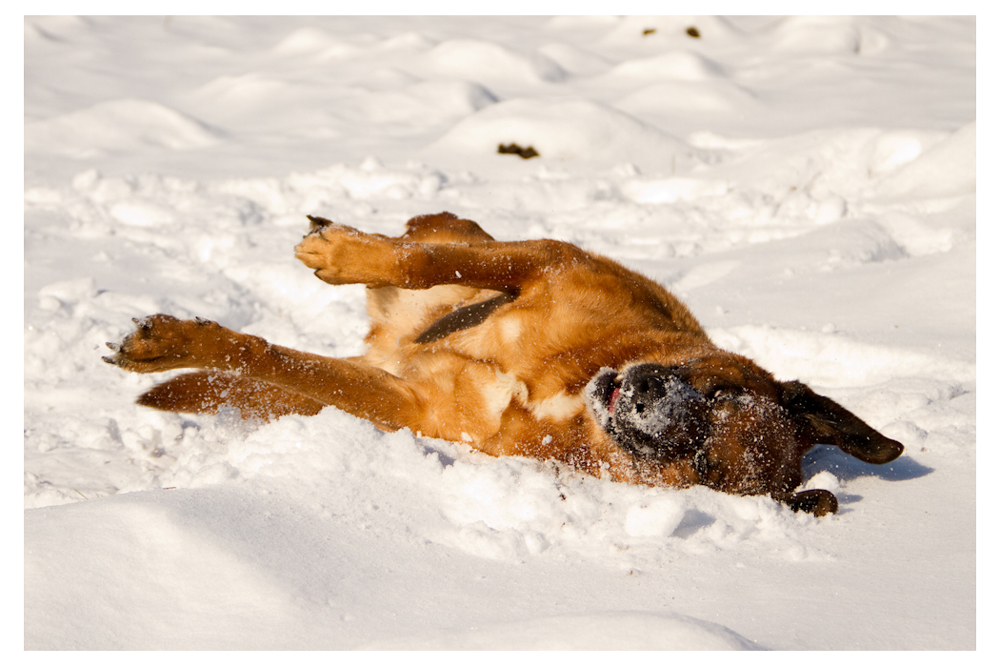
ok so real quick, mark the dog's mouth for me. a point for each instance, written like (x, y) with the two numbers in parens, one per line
(602, 394)
(615, 394)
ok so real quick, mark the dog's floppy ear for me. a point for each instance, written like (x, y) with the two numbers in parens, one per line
(822, 421)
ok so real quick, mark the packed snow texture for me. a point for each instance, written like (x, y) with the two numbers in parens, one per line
(806, 185)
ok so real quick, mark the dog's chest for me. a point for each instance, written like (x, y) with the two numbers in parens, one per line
(527, 372)
(511, 337)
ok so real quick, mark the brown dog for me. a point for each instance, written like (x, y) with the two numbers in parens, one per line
(534, 348)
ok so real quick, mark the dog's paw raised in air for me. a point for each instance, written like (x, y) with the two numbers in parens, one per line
(159, 343)
(341, 255)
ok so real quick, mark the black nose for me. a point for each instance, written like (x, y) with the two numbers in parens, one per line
(649, 384)
(658, 413)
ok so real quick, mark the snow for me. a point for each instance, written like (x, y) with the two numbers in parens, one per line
(806, 185)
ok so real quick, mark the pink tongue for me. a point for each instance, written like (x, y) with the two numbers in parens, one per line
(614, 399)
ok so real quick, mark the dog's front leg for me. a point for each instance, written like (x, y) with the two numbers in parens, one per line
(343, 255)
(162, 342)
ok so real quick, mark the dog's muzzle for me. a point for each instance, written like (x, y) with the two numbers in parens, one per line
(650, 411)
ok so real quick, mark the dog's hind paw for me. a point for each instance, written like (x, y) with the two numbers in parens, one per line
(162, 342)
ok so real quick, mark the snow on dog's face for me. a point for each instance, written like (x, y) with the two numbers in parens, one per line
(724, 416)
(742, 430)
(650, 411)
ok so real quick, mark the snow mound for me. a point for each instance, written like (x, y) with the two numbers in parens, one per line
(317, 43)
(118, 125)
(815, 172)
(430, 100)
(947, 169)
(575, 60)
(176, 560)
(406, 41)
(569, 130)
(242, 89)
(722, 96)
(679, 65)
(833, 361)
(827, 35)
(479, 60)
(278, 574)
(609, 631)
(55, 29)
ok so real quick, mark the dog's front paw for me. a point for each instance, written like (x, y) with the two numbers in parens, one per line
(162, 342)
(818, 502)
(342, 255)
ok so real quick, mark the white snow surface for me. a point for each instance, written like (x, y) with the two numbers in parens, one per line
(806, 185)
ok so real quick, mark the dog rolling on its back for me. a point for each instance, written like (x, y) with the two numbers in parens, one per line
(533, 348)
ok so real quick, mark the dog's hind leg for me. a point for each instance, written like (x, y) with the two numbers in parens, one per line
(442, 228)
(207, 392)
(162, 342)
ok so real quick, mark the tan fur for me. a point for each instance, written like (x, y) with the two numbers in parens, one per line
(508, 374)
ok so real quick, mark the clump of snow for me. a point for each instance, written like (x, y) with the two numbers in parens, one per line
(806, 185)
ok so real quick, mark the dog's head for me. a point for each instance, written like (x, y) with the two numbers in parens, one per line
(742, 430)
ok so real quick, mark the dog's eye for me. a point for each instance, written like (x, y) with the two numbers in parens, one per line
(718, 393)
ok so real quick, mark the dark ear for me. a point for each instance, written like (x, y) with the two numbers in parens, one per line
(822, 421)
